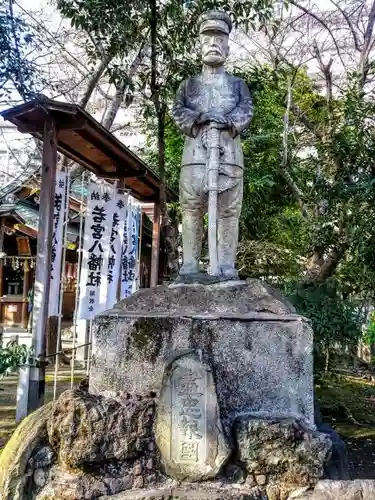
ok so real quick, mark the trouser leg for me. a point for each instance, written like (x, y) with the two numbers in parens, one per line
(192, 203)
(192, 232)
(229, 203)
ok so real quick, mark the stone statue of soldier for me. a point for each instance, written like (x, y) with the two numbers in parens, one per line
(218, 99)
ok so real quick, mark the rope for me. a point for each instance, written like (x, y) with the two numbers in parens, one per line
(65, 351)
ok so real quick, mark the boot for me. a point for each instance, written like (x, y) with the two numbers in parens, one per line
(192, 232)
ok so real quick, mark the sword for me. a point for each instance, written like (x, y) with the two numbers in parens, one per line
(213, 163)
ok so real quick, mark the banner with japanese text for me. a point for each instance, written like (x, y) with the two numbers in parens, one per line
(97, 236)
(57, 242)
(120, 203)
(130, 246)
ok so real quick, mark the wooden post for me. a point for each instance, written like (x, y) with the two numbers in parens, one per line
(155, 251)
(43, 265)
(26, 288)
(140, 239)
(2, 230)
(121, 185)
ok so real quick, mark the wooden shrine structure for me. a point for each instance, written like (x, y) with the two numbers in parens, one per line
(70, 130)
(78, 136)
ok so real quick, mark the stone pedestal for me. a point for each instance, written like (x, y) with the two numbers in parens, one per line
(259, 350)
(202, 392)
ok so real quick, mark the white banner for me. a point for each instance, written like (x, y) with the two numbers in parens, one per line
(98, 228)
(130, 250)
(120, 203)
(57, 242)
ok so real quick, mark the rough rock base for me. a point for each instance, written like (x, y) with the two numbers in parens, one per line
(116, 458)
(324, 490)
(339, 490)
(281, 452)
(258, 349)
(190, 492)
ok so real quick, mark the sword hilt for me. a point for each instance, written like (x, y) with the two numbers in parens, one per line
(213, 150)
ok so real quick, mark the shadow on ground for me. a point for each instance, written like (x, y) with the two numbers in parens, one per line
(347, 402)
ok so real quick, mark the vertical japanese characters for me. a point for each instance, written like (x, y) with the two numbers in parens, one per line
(115, 246)
(187, 407)
(130, 251)
(57, 241)
(109, 237)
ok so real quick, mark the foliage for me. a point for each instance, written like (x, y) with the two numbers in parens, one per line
(17, 42)
(12, 356)
(165, 31)
(333, 168)
(369, 334)
(270, 211)
(266, 260)
(336, 322)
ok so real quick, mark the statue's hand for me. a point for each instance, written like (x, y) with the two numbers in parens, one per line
(212, 116)
(219, 118)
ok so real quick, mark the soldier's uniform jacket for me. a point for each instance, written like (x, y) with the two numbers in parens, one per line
(223, 93)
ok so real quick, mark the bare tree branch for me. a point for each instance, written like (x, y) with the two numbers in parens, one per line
(284, 163)
(94, 81)
(305, 121)
(327, 73)
(19, 81)
(350, 25)
(368, 40)
(323, 23)
(121, 126)
(120, 91)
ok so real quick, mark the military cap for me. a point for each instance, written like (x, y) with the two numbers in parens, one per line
(215, 20)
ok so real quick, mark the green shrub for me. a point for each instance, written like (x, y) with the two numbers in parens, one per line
(12, 356)
(336, 321)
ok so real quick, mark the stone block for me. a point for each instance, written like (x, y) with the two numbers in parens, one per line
(259, 351)
(188, 432)
(189, 492)
(339, 490)
(85, 429)
(30, 434)
(281, 452)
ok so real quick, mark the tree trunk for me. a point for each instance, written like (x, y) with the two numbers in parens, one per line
(327, 360)
(320, 267)
(169, 229)
(51, 338)
(94, 81)
(161, 163)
